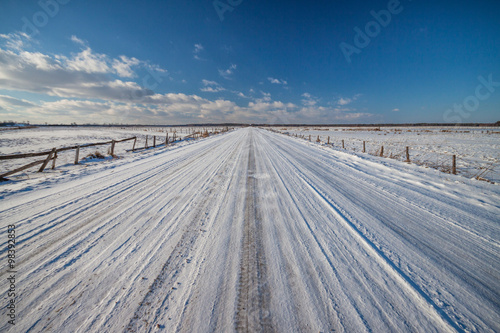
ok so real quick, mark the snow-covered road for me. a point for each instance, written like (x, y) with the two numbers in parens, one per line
(256, 231)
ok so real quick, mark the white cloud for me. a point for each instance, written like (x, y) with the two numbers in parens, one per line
(123, 66)
(16, 40)
(88, 91)
(345, 101)
(11, 103)
(395, 110)
(277, 81)
(211, 86)
(85, 75)
(78, 40)
(209, 83)
(309, 100)
(180, 108)
(228, 72)
(320, 114)
(39, 60)
(88, 62)
(197, 49)
(261, 106)
(240, 94)
(266, 97)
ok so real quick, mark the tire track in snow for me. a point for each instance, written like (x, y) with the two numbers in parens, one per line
(294, 251)
(390, 266)
(155, 303)
(214, 311)
(254, 297)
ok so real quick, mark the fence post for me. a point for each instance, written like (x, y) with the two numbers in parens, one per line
(328, 141)
(343, 144)
(166, 140)
(77, 153)
(309, 137)
(54, 160)
(47, 160)
(364, 146)
(135, 140)
(407, 154)
(318, 140)
(382, 151)
(454, 165)
(154, 141)
(146, 145)
(113, 148)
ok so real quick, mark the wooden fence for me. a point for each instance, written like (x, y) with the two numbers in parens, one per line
(52, 154)
(380, 152)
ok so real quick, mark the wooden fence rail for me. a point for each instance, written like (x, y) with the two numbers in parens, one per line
(15, 156)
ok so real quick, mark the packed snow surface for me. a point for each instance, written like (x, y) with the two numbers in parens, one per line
(253, 231)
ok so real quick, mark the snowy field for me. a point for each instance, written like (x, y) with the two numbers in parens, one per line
(45, 138)
(477, 149)
(252, 231)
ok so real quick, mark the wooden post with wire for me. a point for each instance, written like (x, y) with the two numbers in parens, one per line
(49, 157)
(54, 160)
(454, 165)
(77, 154)
(407, 154)
(364, 146)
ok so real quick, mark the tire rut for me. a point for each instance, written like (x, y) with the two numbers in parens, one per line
(254, 296)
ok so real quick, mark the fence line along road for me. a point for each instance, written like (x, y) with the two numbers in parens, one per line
(52, 155)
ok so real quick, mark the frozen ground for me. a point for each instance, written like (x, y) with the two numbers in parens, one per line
(477, 149)
(251, 231)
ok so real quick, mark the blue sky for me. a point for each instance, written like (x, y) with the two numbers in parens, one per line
(322, 62)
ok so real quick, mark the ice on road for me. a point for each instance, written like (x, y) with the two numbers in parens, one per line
(256, 231)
